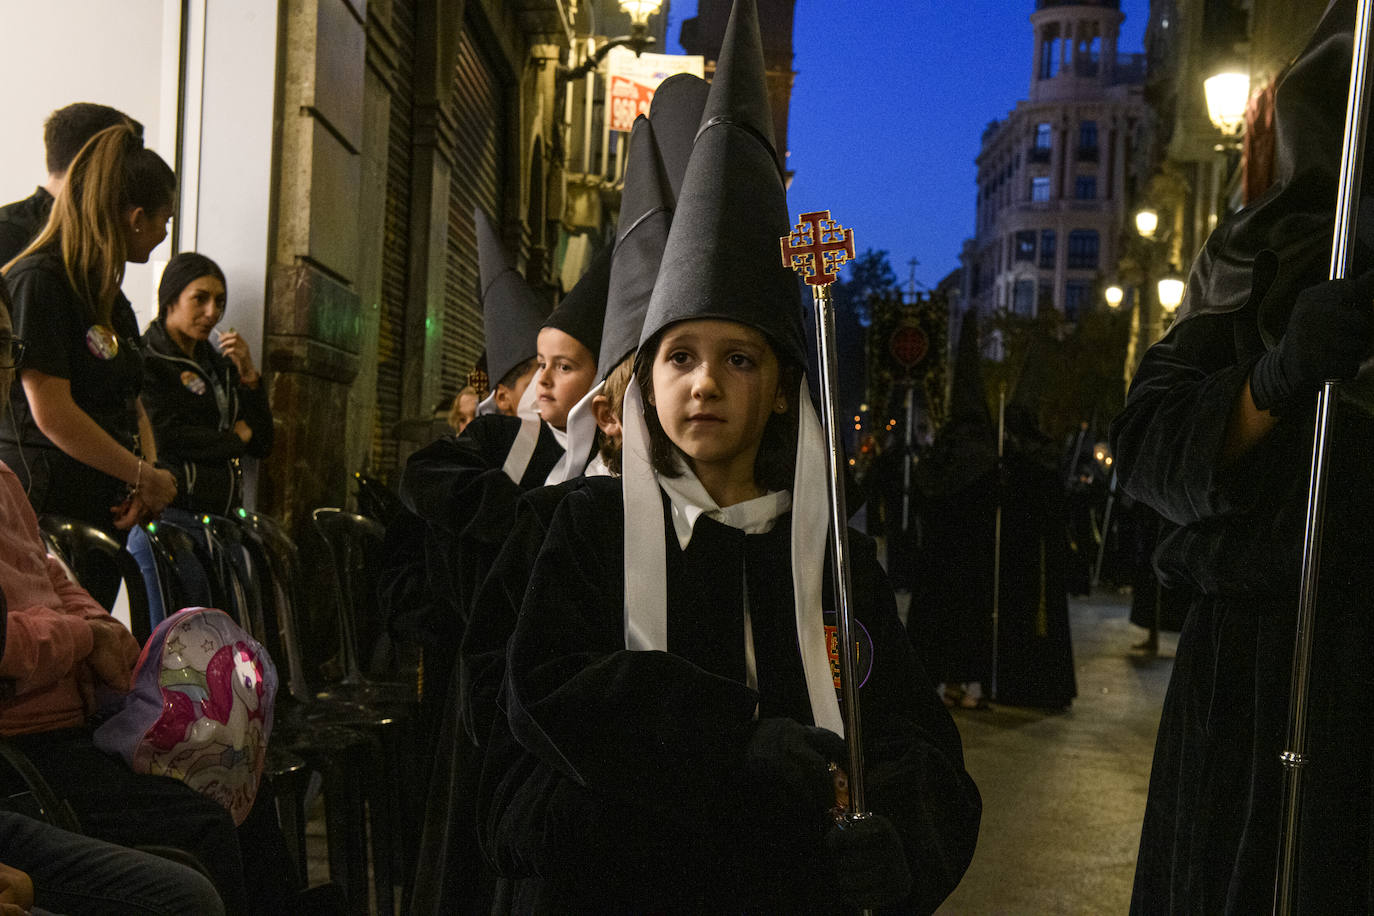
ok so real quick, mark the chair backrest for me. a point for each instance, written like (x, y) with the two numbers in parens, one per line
(375, 499)
(87, 550)
(284, 604)
(355, 547)
(183, 568)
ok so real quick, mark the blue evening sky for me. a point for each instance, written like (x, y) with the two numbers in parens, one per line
(890, 101)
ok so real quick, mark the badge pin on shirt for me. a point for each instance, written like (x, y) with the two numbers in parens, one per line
(102, 342)
(193, 382)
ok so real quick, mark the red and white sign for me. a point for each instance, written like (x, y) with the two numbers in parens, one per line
(631, 81)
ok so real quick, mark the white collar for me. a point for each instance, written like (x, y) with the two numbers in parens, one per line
(689, 501)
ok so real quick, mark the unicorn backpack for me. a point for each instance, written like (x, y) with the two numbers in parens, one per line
(200, 709)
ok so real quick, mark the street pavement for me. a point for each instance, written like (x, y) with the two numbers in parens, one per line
(1064, 792)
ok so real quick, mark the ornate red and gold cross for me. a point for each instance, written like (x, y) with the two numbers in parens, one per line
(817, 248)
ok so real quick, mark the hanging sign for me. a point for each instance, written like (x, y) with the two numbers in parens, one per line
(631, 81)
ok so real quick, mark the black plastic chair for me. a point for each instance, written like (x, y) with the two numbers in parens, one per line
(357, 745)
(375, 499)
(355, 549)
(87, 550)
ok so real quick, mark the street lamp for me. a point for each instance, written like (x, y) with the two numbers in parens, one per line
(641, 10)
(1146, 222)
(639, 40)
(1170, 293)
(1114, 294)
(1227, 94)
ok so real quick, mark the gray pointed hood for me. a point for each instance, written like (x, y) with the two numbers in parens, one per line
(512, 312)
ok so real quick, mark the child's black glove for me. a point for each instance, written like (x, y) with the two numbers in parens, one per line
(787, 759)
(866, 862)
(1330, 332)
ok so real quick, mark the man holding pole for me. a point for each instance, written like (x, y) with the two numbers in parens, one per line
(1261, 792)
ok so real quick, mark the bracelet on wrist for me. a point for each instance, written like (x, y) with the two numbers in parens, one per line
(138, 478)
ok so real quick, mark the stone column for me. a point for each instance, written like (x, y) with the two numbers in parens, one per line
(314, 320)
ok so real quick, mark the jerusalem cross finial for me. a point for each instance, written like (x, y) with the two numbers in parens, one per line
(817, 248)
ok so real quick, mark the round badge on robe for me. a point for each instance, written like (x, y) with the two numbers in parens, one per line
(863, 649)
(193, 382)
(102, 342)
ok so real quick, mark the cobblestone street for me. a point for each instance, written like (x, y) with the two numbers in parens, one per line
(1063, 793)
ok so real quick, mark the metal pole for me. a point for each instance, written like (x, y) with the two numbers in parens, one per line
(1106, 527)
(906, 463)
(1294, 757)
(839, 544)
(997, 535)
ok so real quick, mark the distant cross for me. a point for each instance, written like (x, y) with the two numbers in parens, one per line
(911, 284)
(817, 248)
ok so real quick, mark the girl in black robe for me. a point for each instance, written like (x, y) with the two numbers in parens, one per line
(669, 681)
(1217, 437)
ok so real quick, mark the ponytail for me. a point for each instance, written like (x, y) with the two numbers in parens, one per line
(111, 175)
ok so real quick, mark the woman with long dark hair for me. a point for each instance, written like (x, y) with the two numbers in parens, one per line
(77, 435)
(205, 401)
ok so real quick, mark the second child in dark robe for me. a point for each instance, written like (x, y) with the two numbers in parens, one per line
(467, 488)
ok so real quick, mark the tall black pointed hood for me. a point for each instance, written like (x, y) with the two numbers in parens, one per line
(660, 147)
(1280, 244)
(512, 313)
(968, 401)
(965, 450)
(582, 311)
(722, 258)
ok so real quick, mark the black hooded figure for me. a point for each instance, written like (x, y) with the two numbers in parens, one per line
(1216, 436)
(669, 686)
(1034, 647)
(950, 621)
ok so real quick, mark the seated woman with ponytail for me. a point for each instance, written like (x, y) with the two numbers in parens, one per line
(77, 435)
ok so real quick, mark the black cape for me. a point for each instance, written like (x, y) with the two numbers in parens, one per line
(634, 797)
(1208, 843)
(483, 761)
(460, 505)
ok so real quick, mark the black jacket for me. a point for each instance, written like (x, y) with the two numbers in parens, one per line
(193, 404)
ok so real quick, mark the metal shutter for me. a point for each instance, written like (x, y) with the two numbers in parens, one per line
(479, 116)
(396, 245)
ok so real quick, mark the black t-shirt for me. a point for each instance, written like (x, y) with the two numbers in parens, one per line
(21, 221)
(53, 320)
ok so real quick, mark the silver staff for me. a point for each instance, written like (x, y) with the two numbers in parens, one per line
(997, 534)
(816, 249)
(1294, 756)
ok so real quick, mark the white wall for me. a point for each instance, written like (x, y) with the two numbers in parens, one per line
(62, 51)
(227, 166)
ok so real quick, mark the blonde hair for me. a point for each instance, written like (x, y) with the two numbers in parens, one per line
(613, 390)
(111, 175)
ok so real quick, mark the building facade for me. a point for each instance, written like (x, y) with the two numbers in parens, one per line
(1055, 175)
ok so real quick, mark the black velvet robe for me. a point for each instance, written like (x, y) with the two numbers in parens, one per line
(1209, 840)
(457, 487)
(633, 798)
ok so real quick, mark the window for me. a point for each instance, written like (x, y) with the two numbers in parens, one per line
(1025, 245)
(1087, 141)
(1049, 44)
(1046, 301)
(1023, 298)
(1043, 136)
(1087, 135)
(1075, 299)
(1047, 249)
(1085, 187)
(1083, 246)
(1040, 189)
